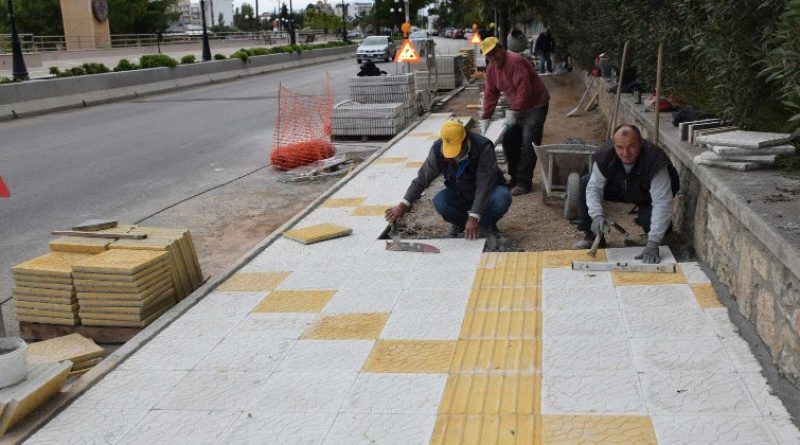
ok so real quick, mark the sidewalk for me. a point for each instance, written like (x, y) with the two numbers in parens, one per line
(343, 342)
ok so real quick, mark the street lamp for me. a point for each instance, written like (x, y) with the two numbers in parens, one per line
(19, 70)
(291, 23)
(206, 47)
(344, 22)
(248, 18)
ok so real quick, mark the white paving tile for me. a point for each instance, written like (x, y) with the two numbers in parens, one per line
(420, 325)
(331, 355)
(433, 300)
(711, 430)
(258, 428)
(579, 298)
(674, 295)
(576, 354)
(362, 300)
(741, 356)
(764, 397)
(697, 394)
(170, 353)
(130, 389)
(246, 353)
(277, 325)
(694, 273)
(704, 354)
(668, 322)
(320, 391)
(454, 279)
(599, 322)
(785, 431)
(387, 260)
(196, 329)
(87, 426)
(314, 279)
(592, 393)
(379, 428)
(573, 278)
(628, 254)
(386, 279)
(181, 427)
(396, 393)
(231, 307)
(213, 391)
(721, 323)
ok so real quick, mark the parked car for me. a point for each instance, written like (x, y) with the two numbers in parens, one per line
(376, 48)
(422, 42)
(458, 33)
(353, 34)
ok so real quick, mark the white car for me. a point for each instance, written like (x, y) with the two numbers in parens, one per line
(376, 48)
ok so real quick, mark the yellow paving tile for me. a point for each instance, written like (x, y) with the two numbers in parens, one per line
(349, 326)
(295, 301)
(413, 356)
(253, 281)
(706, 295)
(645, 278)
(490, 394)
(500, 325)
(495, 356)
(343, 202)
(424, 134)
(375, 210)
(510, 429)
(504, 299)
(597, 430)
(564, 258)
(506, 277)
(505, 260)
(79, 244)
(413, 164)
(318, 232)
(396, 160)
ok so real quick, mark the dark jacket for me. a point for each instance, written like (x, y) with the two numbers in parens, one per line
(545, 43)
(634, 187)
(473, 179)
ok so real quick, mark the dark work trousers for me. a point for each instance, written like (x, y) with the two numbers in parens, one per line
(454, 209)
(585, 221)
(518, 143)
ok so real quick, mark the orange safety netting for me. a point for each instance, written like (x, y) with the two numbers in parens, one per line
(303, 131)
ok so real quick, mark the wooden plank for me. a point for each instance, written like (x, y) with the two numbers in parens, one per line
(99, 234)
(44, 331)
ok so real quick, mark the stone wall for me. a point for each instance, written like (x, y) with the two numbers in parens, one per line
(741, 236)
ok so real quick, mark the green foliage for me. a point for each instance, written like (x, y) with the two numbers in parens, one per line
(219, 57)
(141, 16)
(5, 80)
(86, 68)
(40, 17)
(246, 53)
(782, 61)
(189, 58)
(241, 54)
(157, 60)
(126, 65)
(55, 71)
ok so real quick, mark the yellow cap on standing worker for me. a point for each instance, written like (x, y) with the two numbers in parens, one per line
(488, 44)
(453, 135)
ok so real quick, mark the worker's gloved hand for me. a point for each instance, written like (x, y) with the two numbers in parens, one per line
(511, 119)
(650, 254)
(599, 225)
(484, 126)
(395, 213)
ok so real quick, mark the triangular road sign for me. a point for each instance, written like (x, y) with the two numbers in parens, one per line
(476, 38)
(407, 53)
(4, 193)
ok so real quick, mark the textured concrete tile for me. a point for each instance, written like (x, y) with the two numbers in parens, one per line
(696, 394)
(563, 258)
(458, 429)
(129, 390)
(741, 355)
(88, 426)
(510, 260)
(694, 273)
(634, 297)
(579, 299)
(331, 355)
(414, 356)
(230, 307)
(721, 323)
(668, 322)
(592, 393)
(389, 160)
(501, 325)
(706, 296)
(573, 278)
(506, 277)
(627, 254)
(371, 210)
(171, 353)
(372, 428)
(367, 278)
(386, 260)
(396, 393)
(348, 326)
(241, 352)
(253, 281)
(195, 427)
(496, 356)
(257, 428)
(568, 354)
(491, 394)
(294, 301)
(455, 279)
(213, 390)
(704, 430)
(599, 322)
(694, 354)
(413, 164)
(422, 325)
(318, 232)
(785, 431)
(597, 430)
(320, 391)
(432, 300)
(642, 279)
(315, 279)
(764, 397)
(362, 300)
(504, 299)
(277, 325)
(343, 202)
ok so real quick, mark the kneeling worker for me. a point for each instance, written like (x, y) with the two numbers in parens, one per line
(475, 196)
(632, 170)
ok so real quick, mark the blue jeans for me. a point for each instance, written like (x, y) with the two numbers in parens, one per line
(454, 208)
(545, 63)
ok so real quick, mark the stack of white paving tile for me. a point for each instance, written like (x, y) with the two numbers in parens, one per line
(357, 119)
(83, 352)
(385, 90)
(446, 77)
(744, 150)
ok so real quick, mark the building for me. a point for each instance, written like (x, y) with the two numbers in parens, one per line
(190, 19)
(360, 8)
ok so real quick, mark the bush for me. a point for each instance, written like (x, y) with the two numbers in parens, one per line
(5, 80)
(75, 71)
(187, 59)
(241, 54)
(95, 68)
(55, 71)
(219, 57)
(125, 65)
(157, 60)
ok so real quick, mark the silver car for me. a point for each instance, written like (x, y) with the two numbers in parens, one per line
(422, 42)
(376, 48)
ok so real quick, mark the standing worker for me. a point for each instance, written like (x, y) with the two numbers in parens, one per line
(528, 99)
(475, 196)
(629, 169)
(544, 47)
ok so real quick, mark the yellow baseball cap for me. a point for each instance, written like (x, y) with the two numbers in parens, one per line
(488, 44)
(453, 135)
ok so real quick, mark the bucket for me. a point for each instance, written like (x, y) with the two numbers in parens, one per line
(13, 366)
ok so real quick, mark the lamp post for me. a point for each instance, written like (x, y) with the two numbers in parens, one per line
(19, 70)
(291, 24)
(344, 22)
(206, 47)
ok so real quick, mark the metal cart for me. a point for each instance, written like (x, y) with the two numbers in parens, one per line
(562, 168)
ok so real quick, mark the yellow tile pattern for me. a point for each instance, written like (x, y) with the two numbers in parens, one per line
(706, 295)
(253, 281)
(508, 429)
(564, 258)
(389, 160)
(495, 394)
(348, 327)
(644, 278)
(53, 264)
(374, 210)
(505, 299)
(79, 244)
(495, 356)
(414, 164)
(500, 324)
(317, 233)
(424, 134)
(597, 430)
(410, 356)
(295, 301)
(122, 261)
(343, 202)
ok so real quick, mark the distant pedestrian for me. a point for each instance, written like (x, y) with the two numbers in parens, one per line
(545, 47)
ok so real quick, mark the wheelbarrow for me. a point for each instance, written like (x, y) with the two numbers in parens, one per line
(562, 168)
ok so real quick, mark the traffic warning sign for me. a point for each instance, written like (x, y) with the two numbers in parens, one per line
(4, 193)
(476, 38)
(407, 53)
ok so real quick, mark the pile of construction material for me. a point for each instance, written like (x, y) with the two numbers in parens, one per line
(373, 98)
(44, 291)
(356, 119)
(82, 352)
(467, 61)
(743, 150)
(42, 381)
(447, 76)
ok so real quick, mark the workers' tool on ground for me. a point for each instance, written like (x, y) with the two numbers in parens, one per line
(657, 104)
(92, 225)
(396, 245)
(588, 98)
(595, 244)
(613, 122)
(100, 234)
(623, 267)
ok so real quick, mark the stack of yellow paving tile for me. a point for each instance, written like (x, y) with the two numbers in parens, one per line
(83, 352)
(44, 291)
(79, 244)
(122, 287)
(185, 269)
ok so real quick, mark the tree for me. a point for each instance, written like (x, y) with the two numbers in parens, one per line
(141, 16)
(40, 17)
(240, 20)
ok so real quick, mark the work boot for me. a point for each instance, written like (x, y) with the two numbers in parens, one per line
(587, 241)
(520, 190)
(455, 231)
